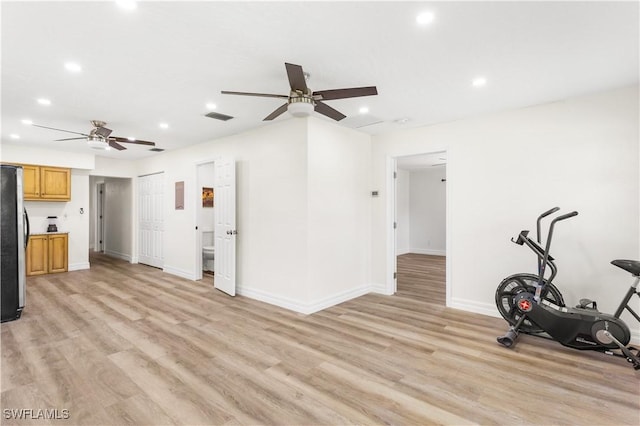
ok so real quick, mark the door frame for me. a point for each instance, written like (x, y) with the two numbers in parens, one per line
(391, 284)
(100, 234)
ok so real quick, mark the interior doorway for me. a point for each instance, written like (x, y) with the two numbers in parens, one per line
(205, 221)
(420, 226)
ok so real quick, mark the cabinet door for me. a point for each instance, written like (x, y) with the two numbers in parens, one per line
(37, 255)
(31, 182)
(58, 253)
(55, 183)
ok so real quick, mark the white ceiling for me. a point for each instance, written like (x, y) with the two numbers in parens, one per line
(165, 60)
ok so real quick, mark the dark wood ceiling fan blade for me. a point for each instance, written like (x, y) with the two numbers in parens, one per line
(353, 92)
(116, 145)
(59, 130)
(263, 95)
(68, 139)
(296, 78)
(126, 140)
(276, 113)
(325, 109)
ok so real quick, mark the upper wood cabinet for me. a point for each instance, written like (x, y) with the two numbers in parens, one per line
(45, 183)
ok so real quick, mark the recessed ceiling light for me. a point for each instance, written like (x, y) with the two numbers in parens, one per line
(163, 125)
(479, 82)
(73, 67)
(211, 106)
(14, 136)
(364, 110)
(131, 139)
(402, 120)
(43, 101)
(127, 4)
(27, 122)
(425, 18)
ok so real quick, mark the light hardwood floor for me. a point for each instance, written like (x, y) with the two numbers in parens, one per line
(129, 344)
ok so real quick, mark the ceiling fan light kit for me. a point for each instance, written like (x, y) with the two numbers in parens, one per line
(301, 106)
(301, 101)
(96, 142)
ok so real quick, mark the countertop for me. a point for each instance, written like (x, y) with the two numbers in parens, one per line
(48, 233)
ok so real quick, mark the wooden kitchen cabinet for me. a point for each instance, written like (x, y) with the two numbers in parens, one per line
(47, 254)
(31, 181)
(46, 183)
(55, 183)
(37, 255)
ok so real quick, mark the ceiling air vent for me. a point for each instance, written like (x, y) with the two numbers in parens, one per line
(156, 149)
(219, 116)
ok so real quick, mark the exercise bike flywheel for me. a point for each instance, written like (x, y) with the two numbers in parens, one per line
(516, 284)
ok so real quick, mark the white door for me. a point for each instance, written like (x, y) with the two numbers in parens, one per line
(225, 228)
(150, 213)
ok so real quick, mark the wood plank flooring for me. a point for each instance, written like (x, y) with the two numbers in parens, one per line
(129, 344)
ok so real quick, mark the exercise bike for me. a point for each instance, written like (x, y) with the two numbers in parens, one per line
(533, 305)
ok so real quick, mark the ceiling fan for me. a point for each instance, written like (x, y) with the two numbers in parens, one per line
(98, 137)
(301, 101)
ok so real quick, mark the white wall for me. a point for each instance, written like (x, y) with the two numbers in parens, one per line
(427, 211)
(403, 217)
(118, 232)
(504, 169)
(339, 210)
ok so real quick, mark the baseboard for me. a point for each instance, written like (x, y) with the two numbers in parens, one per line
(179, 272)
(380, 289)
(336, 299)
(475, 307)
(401, 251)
(433, 252)
(277, 300)
(305, 308)
(78, 266)
(119, 255)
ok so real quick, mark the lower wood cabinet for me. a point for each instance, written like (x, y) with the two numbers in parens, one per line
(47, 254)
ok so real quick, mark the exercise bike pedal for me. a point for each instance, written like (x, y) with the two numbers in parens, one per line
(584, 304)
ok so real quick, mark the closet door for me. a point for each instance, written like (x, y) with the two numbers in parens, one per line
(151, 219)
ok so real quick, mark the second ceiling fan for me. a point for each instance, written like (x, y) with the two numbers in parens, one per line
(301, 101)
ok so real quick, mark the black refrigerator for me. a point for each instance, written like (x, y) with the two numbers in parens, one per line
(14, 234)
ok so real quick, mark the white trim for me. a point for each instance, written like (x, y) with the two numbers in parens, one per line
(391, 235)
(428, 251)
(298, 306)
(380, 289)
(118, 255)
(488, 309)
(78, 266)
(402, 251)
(179, 272)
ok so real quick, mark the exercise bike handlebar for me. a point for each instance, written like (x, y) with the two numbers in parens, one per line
(542, 216)
(545, 259)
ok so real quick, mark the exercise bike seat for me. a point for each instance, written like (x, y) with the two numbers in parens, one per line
(632, 266)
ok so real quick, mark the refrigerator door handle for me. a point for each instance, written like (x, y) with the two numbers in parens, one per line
(27, 230)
